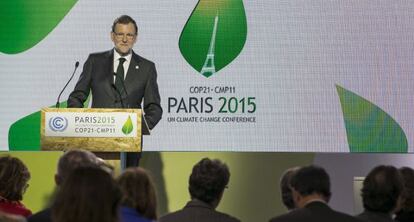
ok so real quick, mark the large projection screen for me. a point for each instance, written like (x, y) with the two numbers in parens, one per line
(234, 75)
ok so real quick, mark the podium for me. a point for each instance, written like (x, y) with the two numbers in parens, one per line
(93, 129)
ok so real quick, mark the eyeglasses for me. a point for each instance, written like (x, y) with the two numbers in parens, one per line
(120, 36)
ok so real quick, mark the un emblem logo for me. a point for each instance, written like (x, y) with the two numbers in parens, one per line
(58, 124)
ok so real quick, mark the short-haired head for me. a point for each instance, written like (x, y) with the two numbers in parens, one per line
(125, 19)
(208, 180)
(88, 194)
(286, 188)
(381, 189)
(105, 166)
(71, 160)
(138, 192)
(309, 180)
(14, 176)
(407, 174)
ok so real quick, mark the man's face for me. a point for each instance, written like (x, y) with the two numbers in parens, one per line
(124, 38)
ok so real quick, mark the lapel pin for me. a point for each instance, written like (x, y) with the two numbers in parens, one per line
(136, 67)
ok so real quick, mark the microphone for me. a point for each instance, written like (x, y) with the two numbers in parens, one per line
(123, 86)
(119, 94)
(126, 92)
(73, 74)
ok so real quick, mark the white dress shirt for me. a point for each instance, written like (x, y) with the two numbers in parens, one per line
(117, 56)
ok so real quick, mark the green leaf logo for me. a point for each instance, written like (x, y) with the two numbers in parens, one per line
(214, 35)
(127, 128)
(24, 23)
(368, 127)
(24, 134)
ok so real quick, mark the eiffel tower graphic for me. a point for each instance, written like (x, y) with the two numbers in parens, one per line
(208, 67)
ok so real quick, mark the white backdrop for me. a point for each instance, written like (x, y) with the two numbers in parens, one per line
(294, 55)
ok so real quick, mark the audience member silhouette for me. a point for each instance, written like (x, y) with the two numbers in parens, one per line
(139, 200)
(207, 182)
(14, 176)
(311, 193)
(406, 213)
(4, 217)
(286, 188)
(89, 194)
(68, 162)
(381, 191)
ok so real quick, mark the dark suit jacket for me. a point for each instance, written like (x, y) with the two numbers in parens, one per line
(140, 83)
(41, 216)
(314, 212)
(404, 216)
(197, 211)
(368, 216)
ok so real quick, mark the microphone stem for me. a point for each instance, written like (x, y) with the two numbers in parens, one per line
(67, 83)
(126, 92)
(120, 95)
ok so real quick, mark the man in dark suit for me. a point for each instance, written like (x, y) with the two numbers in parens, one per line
(381, 193)
(206, 185)
(311, 193)
(119, 78)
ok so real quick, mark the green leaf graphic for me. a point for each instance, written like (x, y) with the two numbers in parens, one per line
(368, 127)
(24, 134)
(24, 23)
(214, 35)
(127, 128)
